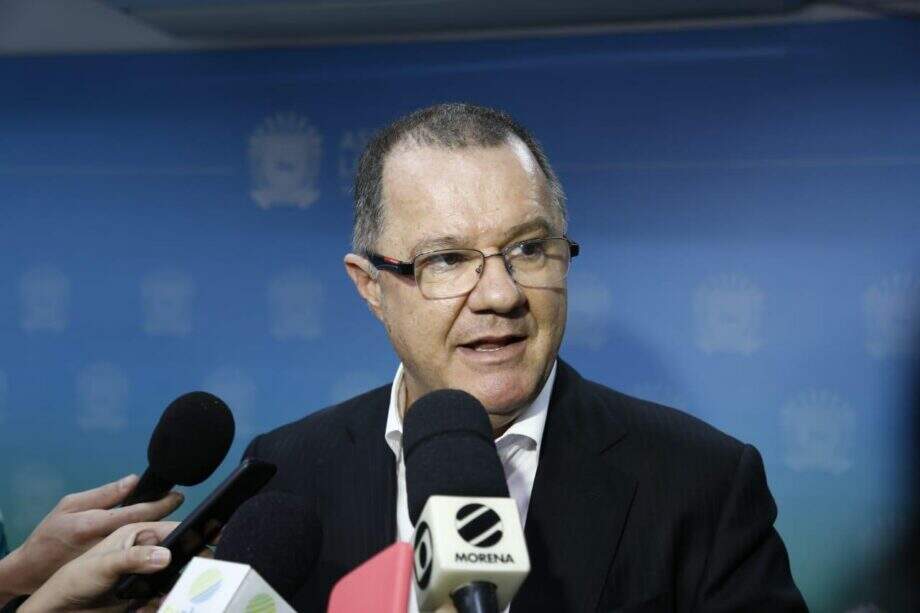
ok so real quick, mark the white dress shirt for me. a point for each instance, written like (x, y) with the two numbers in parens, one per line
(518, 450)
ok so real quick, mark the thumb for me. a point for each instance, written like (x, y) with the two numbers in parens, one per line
(142, 559)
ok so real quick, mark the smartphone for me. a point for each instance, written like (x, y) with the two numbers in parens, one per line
(199, 528)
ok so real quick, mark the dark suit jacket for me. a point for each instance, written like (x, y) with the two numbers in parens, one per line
(635, 506)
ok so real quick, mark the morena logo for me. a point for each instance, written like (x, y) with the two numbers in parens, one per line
(479, 525)
(423, 555)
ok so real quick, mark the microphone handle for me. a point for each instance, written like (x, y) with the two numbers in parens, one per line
(150, 487)
(475, 597)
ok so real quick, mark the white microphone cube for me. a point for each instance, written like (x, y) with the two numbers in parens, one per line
(215, 586)
(459, 540)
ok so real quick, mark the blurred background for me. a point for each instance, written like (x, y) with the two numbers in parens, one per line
(743, 177)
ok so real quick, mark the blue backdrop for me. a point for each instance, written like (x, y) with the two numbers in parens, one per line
(746, 199)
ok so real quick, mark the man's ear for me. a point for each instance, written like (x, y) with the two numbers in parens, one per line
(367, 281)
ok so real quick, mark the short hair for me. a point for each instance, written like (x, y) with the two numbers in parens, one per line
(449, 125)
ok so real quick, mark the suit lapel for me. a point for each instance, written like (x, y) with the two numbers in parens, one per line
(579, 503)
(370, 467)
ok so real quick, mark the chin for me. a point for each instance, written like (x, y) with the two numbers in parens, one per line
(501, 395)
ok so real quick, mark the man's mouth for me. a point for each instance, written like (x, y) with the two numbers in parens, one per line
(493, 343)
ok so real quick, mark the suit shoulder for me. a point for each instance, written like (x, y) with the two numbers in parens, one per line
(323, 427)
(661, 427)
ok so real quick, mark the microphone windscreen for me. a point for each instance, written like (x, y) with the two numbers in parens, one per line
(191, 439)
(449, 450)
(276, 534)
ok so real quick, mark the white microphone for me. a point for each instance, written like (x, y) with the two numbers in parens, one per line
(215, 586)
(469, 546)
(461, 542)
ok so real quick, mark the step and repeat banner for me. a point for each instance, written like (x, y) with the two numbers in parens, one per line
(747, 201)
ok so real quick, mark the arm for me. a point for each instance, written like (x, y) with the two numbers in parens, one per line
(77, 523)
(748, 567)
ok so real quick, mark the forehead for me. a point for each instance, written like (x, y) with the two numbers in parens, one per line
(460, 197)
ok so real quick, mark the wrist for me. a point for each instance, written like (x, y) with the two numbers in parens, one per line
(8, 577)
(13, 576)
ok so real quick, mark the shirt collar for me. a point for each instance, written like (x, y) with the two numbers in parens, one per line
(394, 421)
(527, 429)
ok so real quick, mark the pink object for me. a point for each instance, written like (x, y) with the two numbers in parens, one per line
(380, 585)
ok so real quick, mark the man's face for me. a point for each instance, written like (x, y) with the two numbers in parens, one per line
(499, 341)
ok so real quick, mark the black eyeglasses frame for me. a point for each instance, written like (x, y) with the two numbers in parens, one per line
(407, 269)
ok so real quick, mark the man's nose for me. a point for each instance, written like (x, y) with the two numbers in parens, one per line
(496, 291)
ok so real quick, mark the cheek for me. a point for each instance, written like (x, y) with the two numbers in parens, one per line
(549, 311)
(417, 327)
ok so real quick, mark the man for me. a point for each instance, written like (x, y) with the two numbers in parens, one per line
(460, 251)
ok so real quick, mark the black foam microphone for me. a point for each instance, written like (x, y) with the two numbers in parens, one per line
(189, 442)
(278, 535)
(469, 545)
(449, 450)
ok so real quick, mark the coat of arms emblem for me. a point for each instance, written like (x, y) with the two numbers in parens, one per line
(285, 153)
(892, 311)
(818, 428)
(45, 300)
(727, 311)
(102, 397)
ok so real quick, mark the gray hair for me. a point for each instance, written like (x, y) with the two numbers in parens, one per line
(448, 125)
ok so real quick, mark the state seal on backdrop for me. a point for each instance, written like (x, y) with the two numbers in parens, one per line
(285, 152)
(818, 429)
(891, 309)
(728, 313)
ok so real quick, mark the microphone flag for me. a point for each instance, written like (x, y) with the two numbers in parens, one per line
(380, 585)
(215, 586)
(460, 540)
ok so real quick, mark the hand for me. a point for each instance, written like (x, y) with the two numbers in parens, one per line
(78, 522)
(85, 584)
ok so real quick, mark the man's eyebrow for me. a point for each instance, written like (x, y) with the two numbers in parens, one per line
(449, 242)
(433, 244)
(533, 225)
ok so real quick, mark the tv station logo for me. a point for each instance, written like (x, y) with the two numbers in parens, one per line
(423, 555)
(479, 525)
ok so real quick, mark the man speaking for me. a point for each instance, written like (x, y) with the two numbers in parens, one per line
(460, 250)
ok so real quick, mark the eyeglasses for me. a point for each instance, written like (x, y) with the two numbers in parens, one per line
(448, 273)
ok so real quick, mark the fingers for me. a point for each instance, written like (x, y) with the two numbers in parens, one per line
(102, 497)
(109, 521)
(145, 534)
(135, 559)
(82, 582)
(158, 509)
(147, 537)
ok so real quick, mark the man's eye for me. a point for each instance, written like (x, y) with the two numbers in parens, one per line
(528, 250)
(445, 261)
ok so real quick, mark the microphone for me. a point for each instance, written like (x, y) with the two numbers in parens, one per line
(188, 444)
(278, 535)
(380, 585)
(469, 545)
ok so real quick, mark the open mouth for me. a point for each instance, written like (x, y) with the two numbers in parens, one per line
(493, 343)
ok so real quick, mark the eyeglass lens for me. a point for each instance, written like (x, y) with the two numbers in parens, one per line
(541, 263)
